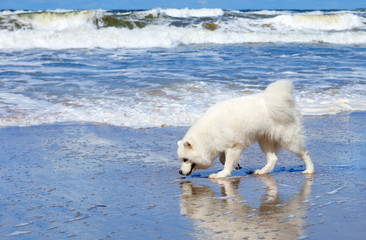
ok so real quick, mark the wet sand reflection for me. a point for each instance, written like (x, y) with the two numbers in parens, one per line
(229, 216)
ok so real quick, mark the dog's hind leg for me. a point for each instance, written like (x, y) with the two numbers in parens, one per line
(222, 160)
(308, 163)
(270, 149)
(232, 156)
(296, 146)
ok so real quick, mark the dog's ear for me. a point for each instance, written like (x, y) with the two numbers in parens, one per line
(188, 144)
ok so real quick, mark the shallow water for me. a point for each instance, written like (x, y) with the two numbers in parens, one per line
(155, 87)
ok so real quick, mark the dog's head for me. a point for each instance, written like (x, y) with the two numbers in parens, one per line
(190, 155)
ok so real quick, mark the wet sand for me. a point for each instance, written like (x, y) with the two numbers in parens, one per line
(84, 181)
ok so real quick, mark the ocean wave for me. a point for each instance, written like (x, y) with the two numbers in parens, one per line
(63, 29)
(60, 21)
(163, 36)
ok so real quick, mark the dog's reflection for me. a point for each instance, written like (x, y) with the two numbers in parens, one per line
(230, 217)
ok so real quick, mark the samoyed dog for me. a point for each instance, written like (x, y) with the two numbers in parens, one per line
(227, 128)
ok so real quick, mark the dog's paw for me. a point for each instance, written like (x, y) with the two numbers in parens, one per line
(259, 172)
(308, 171)
(212, 176)
(218, 175)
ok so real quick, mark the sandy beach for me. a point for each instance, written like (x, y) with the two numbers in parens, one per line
(85, 181)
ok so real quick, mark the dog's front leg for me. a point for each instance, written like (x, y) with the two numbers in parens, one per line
(232, 156)
(222, 160)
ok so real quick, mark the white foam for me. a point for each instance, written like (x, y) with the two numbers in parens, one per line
(268, 12)
(332, 22)
(160, 36)
(187, 13)
(175, 105)
(332, 101)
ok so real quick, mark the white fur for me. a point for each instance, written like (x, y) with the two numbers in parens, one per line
(227, 128)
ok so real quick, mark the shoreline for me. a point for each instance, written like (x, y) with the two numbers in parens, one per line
(87, 181)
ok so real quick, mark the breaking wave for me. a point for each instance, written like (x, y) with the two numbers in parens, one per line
(64, 29)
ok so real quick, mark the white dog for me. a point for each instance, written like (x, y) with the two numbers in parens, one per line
(227, 128)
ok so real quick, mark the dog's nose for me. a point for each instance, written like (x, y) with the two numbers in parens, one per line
(180, 172)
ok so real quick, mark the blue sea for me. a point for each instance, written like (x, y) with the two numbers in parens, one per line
(165, 67)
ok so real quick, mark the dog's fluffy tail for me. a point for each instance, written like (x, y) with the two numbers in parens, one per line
(280, 102)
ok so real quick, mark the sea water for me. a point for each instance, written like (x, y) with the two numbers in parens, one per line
(165, 67)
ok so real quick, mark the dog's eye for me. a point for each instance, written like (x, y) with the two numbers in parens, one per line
(185, 160)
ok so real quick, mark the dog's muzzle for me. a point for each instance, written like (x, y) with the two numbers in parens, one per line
(192, 167)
